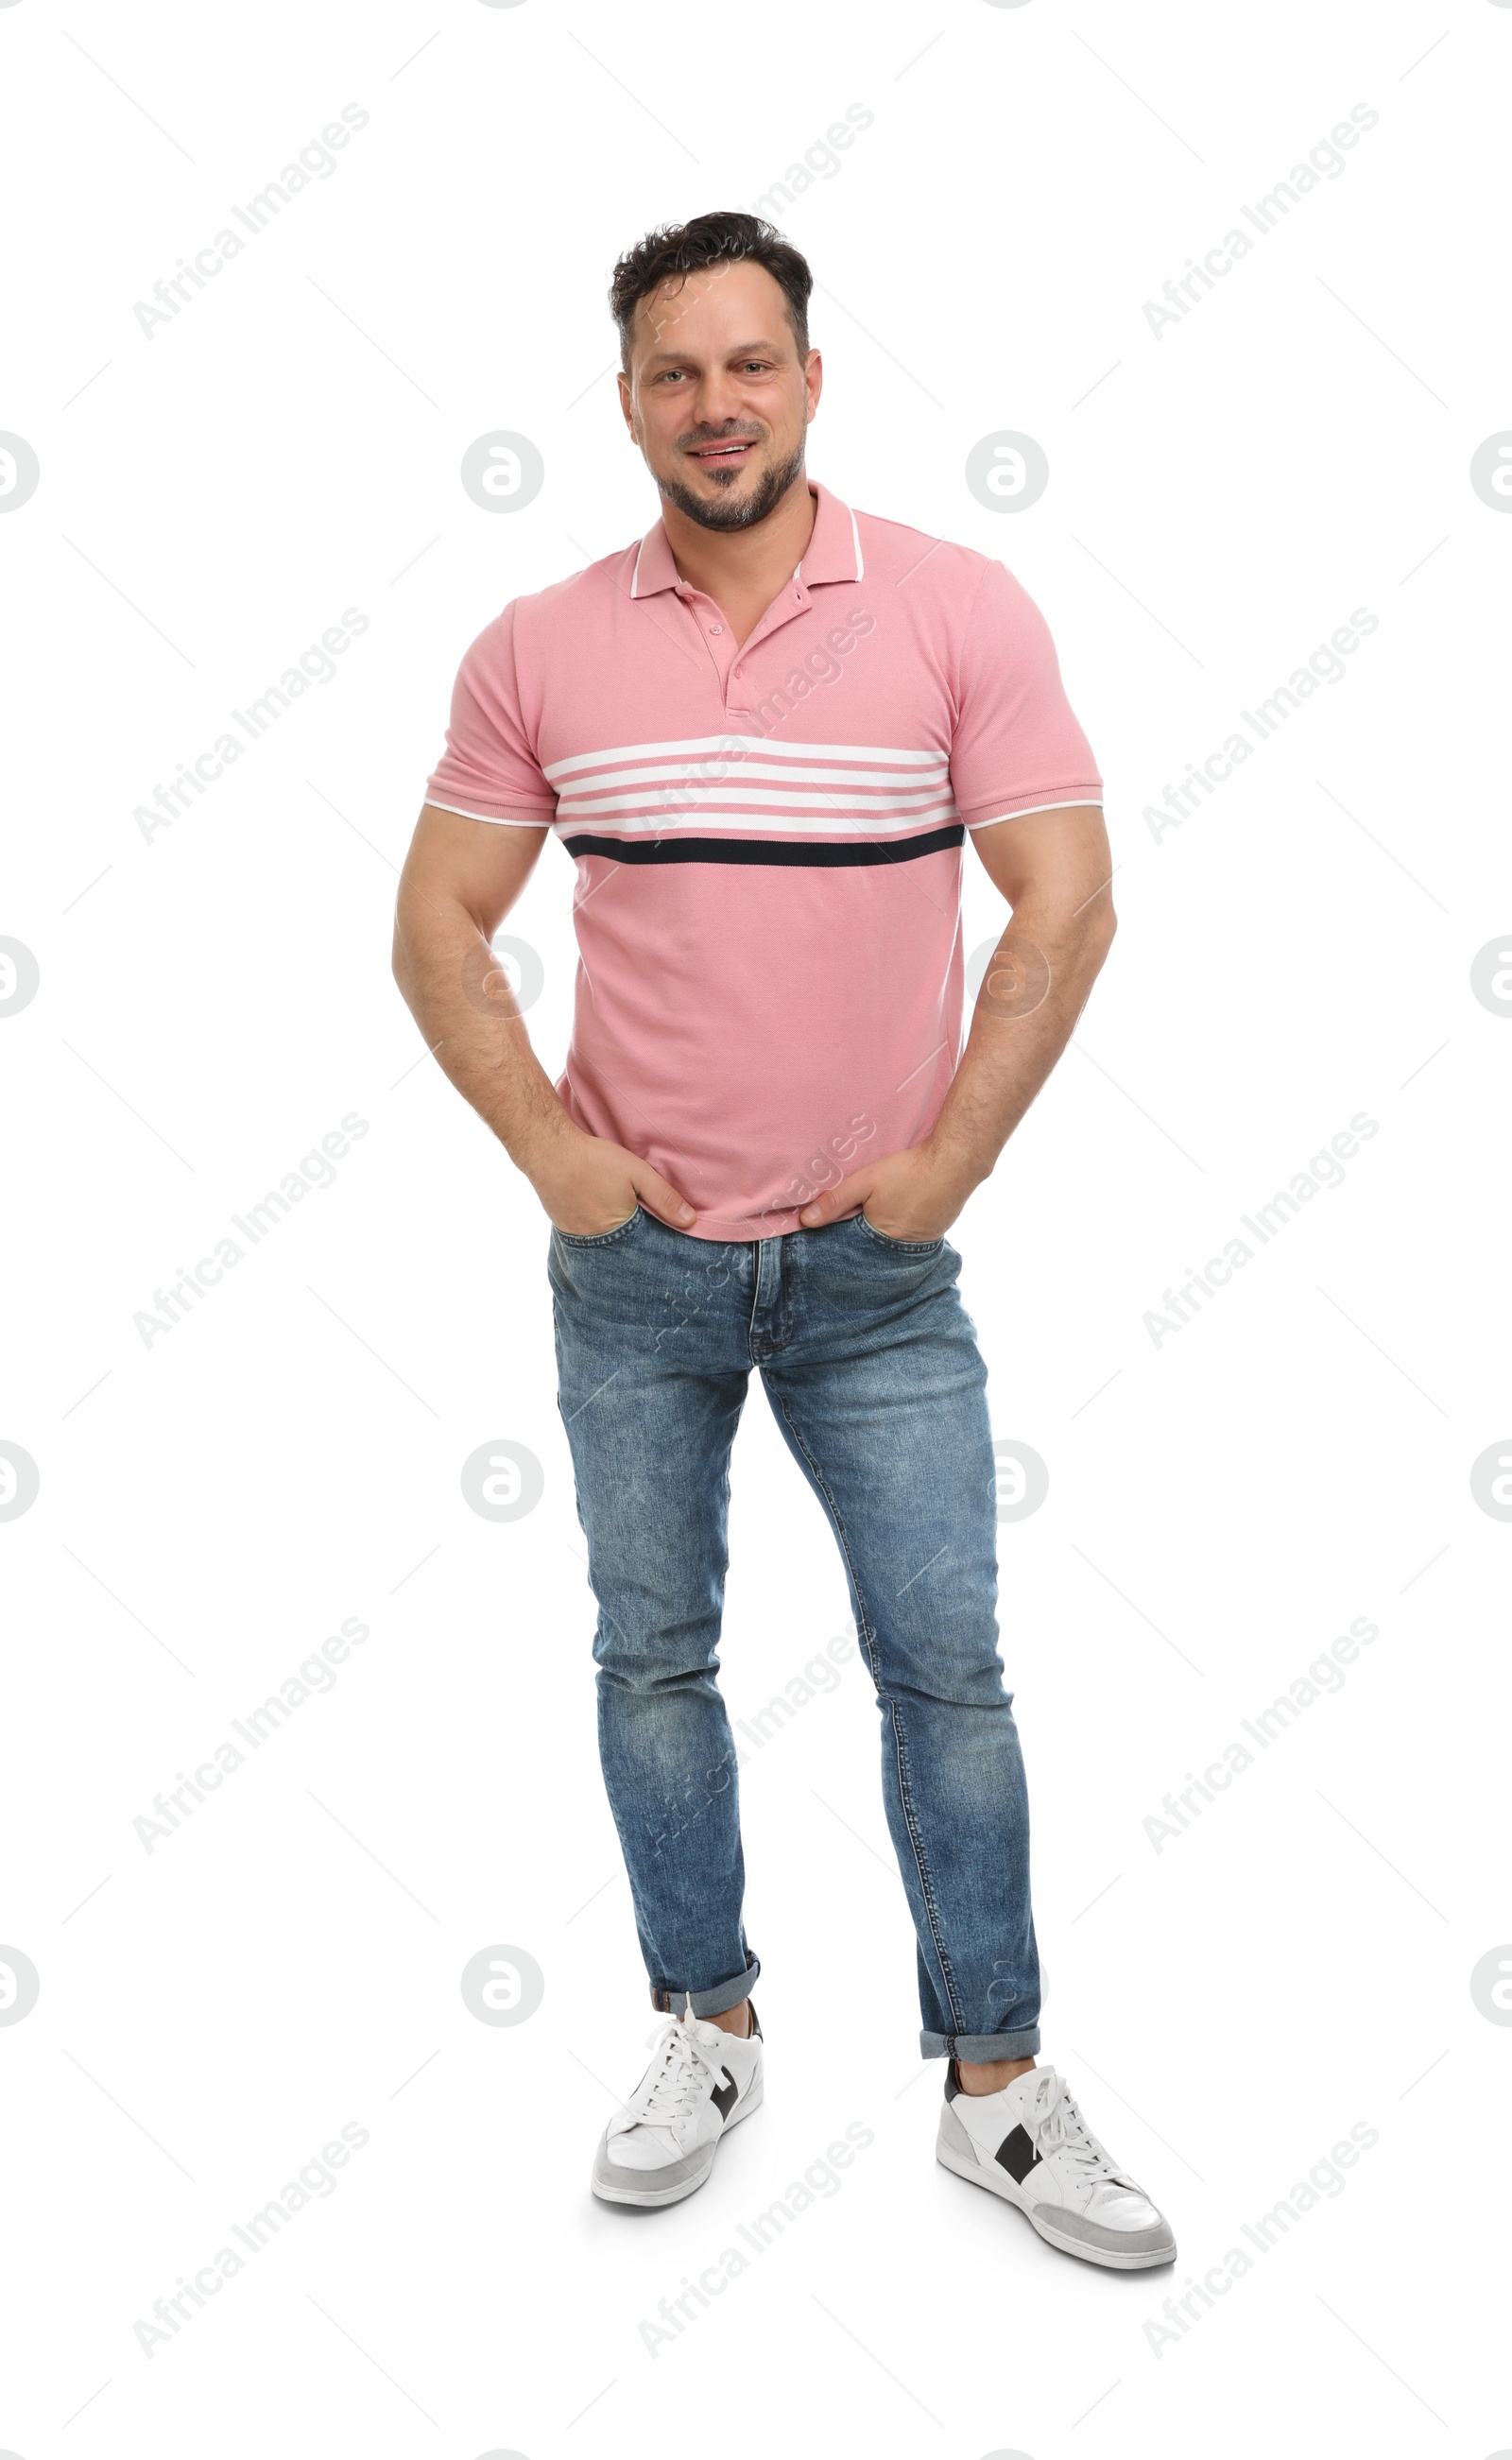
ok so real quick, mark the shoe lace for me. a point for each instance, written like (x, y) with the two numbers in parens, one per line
(685, 2066)
(1051, 2118)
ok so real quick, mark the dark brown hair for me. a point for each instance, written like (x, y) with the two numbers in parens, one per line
(709, 239)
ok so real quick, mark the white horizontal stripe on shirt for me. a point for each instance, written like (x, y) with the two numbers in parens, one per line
(765, 806)
(743, 747)
(796, 825)
(762, 777)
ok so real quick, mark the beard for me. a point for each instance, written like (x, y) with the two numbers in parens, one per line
(742, 513)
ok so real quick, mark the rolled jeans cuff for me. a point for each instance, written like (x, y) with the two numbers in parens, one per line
(977, 2048)
(716, 2002)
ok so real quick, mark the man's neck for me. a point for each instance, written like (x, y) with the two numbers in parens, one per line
(742, 570)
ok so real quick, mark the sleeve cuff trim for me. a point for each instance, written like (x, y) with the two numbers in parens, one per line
(497, 820)
(1089, 800)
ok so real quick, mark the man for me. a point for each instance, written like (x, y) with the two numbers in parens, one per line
(764, 732)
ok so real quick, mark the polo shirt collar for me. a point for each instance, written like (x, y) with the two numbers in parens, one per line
(833, 552)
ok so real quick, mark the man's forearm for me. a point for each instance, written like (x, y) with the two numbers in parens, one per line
(461, 999)
(463, 877)
(1033, 991)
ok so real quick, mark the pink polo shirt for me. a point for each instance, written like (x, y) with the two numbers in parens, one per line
(768, 838)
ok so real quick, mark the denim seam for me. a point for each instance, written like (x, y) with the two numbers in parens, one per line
(762, 1347)
(925, 1877)
(755, 1301)
(904, 1790)
(600, 1238)
(915, 1246)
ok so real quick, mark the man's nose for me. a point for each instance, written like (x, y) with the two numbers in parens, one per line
(718, 403)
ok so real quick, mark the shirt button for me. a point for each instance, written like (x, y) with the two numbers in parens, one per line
(716, 627)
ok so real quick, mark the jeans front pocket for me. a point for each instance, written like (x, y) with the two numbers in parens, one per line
(900, 1246)
(600, 1238)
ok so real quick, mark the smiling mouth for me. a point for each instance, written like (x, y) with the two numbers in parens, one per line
(732, 450)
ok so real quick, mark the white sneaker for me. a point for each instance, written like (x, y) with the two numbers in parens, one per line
(1031, 2145)
(661, 2146)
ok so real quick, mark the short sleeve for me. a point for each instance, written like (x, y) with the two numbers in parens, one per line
(1017, 747)
(488, 770)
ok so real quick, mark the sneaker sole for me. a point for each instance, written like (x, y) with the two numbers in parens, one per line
(653, 2196)
(965, 2165)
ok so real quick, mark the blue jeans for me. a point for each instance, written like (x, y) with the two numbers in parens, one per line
(871, 1367)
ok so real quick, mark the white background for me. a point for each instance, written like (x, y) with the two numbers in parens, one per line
(213, 1001)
